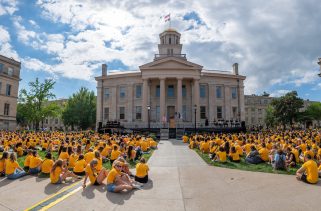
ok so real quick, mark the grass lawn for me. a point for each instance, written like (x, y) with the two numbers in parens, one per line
(262, 167)
(107, 165)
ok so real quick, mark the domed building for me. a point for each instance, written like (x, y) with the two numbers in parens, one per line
(170, 92)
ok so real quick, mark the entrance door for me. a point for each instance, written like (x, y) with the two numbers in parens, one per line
(171, 116)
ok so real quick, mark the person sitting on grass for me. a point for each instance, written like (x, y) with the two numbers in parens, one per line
(290, 158)
(142, 171)
(3, 159)
(118, 181)
(27, 160)
(35, 163)
(12, 168)
(115, 153)
(279, 161)
(60, 172)
(234, 155)
(205, 146)
(47, 165)
(214, 148)
(253, 157)
(264, 153)
(220, 155)
(80, 166)
(272, 154)
(95, 177)
(309, 171)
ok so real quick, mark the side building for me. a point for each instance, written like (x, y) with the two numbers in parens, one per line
(9, 86)
(255, 110)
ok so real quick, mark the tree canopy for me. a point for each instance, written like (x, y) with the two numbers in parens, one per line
(80, 110)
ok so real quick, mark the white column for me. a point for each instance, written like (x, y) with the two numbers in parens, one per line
(197, 99)
(99, 104)
(162, 99)
(242, 102)
(145, 101)
(179, 96)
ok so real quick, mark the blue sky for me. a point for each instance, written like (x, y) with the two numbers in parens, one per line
(276, 47)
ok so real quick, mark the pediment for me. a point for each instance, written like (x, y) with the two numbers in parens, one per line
(170, 63)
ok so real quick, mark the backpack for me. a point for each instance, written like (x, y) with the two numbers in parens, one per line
(280, 163)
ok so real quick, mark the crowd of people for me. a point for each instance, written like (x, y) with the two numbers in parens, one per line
(76, 156)
(300, 149)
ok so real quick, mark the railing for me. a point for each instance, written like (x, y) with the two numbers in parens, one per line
(158, 56)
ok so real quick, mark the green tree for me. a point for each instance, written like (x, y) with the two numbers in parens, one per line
(270, 118)
(33, 105)
(80, 110)
(287, 108)
(314, 111)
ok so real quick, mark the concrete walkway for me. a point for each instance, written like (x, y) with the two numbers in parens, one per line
(180, 180)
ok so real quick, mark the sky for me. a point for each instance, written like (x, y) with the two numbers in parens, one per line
(277, 43)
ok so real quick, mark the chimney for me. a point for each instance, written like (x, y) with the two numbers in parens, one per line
(235, 68)
(104, 69)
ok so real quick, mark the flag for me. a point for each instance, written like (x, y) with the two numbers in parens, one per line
(167, 17)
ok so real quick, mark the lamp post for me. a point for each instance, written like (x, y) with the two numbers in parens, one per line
(148, 108)
(195, 108)
(319, 63)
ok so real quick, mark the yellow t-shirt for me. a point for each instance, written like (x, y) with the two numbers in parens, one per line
(11, 166)
(311, 169)
(89, 156)
(55, 175)
(46, 166)
(99, 164)
(80, 166)
(92, 175)
(264, 153)
(2, 165)
(144, 146)
(27, 161)
(19, 151)
(114, 154)
(221, 156)
(112, 176)
(72, 160)
(34, 162)
(64, 155)
(141, 170)
(235, 156)
(205, 147)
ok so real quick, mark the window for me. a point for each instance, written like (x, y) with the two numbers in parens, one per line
(56, 121)
(202, 91)
(8, 90)
(234, 92)
(218, 92)
(10, 71)
(183, 91)
(46, 121)
(1, 67)
(106, 114)
(138, 91)
(184, 114)
(203, 112)
(157, 91)
(260, 111)
(169, 51)
(138, 112)
(106, 93)
(253, 110)
(122, 92)
(170, 91)
(234, 112)
(6, 109)
(121, 112)
(219, 112)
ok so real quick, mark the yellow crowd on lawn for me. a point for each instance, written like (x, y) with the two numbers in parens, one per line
(281, 149)
(78, 154)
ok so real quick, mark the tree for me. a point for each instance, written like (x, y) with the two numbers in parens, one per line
(314, 111)
(33, 106)
(80, 109)
(270, 118)
(287, 108)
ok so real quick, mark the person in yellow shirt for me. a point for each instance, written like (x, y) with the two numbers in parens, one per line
(144, 145)
(205, 146)
(220, 155)
(64, 154)
(72, 160)
(80, 166)
(12, 168)
(59, 173)
(131, 153)
(89, 156)
(234, 155)
(46, 165)
(309, 171)
(114, 154)
(3, 159)
(142, 171)
(95, 177)
(19, 149)
(27, 160)
(35, 163)
(264, 153)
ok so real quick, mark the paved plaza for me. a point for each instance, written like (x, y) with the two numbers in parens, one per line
(180, 180)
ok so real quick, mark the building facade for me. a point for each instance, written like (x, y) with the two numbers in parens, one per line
(9, 86)
(169, 90)
(255, 110)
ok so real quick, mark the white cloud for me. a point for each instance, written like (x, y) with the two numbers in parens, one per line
(6, 48)
(8, 7)
(279, 93)
(36, 65)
